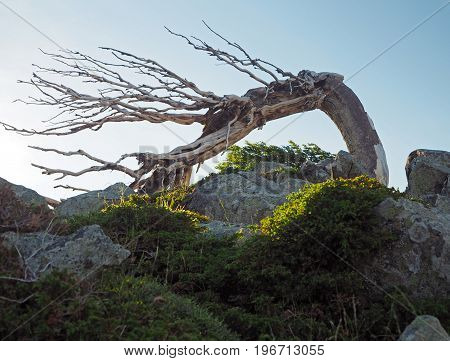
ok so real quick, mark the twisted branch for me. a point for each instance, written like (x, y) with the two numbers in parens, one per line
(166, 96)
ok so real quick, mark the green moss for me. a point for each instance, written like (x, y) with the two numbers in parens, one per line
(336, 215)
(172, 199)
(109, 307)
(140, 225)
(295, 279)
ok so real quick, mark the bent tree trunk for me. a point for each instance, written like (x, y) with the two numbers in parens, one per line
(170, 97)
(346, 111)
(255, 108)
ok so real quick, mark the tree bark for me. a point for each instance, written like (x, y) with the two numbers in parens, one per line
(171, 97)
(331, 96)
(346, 111)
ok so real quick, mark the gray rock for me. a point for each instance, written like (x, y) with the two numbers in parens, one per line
(243, 197)
(344, 166)
(442, 203)
(266, 166)
(428, 173)
(274, 171)
(92, 201)
(419, 259)
(25, 194)
(316, 172)
(80, 252)
(309, 171)
(221, 229)
(424, 328)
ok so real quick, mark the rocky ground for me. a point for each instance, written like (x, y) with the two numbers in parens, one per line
(417, 260)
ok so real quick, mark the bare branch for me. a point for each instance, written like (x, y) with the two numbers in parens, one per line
(105, 164)
(166, 96)
(24, 280)
(220, 55)
(75, 189)
(256, 63)
(7, 299)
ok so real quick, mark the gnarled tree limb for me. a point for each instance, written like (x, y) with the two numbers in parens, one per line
(167, 96)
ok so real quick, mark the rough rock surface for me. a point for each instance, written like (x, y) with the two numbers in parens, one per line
(316, 172)
(274, 171)
(424, 328)
(428, 173)
(420, 258)
(80, 252)
(247, 197)
(242, 197)
(25, 194)
(442, 203)
(344, 166)
(221, 229)
(92, 201)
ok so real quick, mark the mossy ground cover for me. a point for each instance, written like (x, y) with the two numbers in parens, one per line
(295, 278)
(109, 306)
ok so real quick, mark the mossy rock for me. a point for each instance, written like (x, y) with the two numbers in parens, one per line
(333, 218)
(139, 223)
(294, 279)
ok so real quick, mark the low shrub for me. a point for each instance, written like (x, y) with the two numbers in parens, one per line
(295, 279)
(110, 306)
(336, 216)
(140, 225)
(172, 199)
(164, 241)
(300, 274)
(293, 155)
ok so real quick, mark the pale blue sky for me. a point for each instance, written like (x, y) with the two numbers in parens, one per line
(405, 91)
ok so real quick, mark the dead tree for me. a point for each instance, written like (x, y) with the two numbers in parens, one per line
(169, 97)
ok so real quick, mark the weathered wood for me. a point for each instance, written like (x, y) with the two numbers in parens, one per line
(226, 119)
(329, 94)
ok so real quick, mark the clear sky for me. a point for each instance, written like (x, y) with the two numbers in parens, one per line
(405, 91)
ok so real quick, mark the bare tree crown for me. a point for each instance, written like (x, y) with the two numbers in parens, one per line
(170, 97)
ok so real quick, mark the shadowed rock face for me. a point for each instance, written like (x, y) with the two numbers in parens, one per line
(80, 252)
(424, 328)
(247, 197)
(243, 197)
(419, 259)
(92, 201)
(25, 194)
(345, 166)
(221, 229)
(428, 173)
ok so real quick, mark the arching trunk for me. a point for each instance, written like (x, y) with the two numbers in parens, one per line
(346, 111)
(329, 94)
(226, 119)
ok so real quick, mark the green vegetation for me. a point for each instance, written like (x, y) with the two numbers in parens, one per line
(139, 224)
(336, 214)
(301, 266)
(165, 243)
(112, 306)
(295, 278)
(172, 199)
(246, 157)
